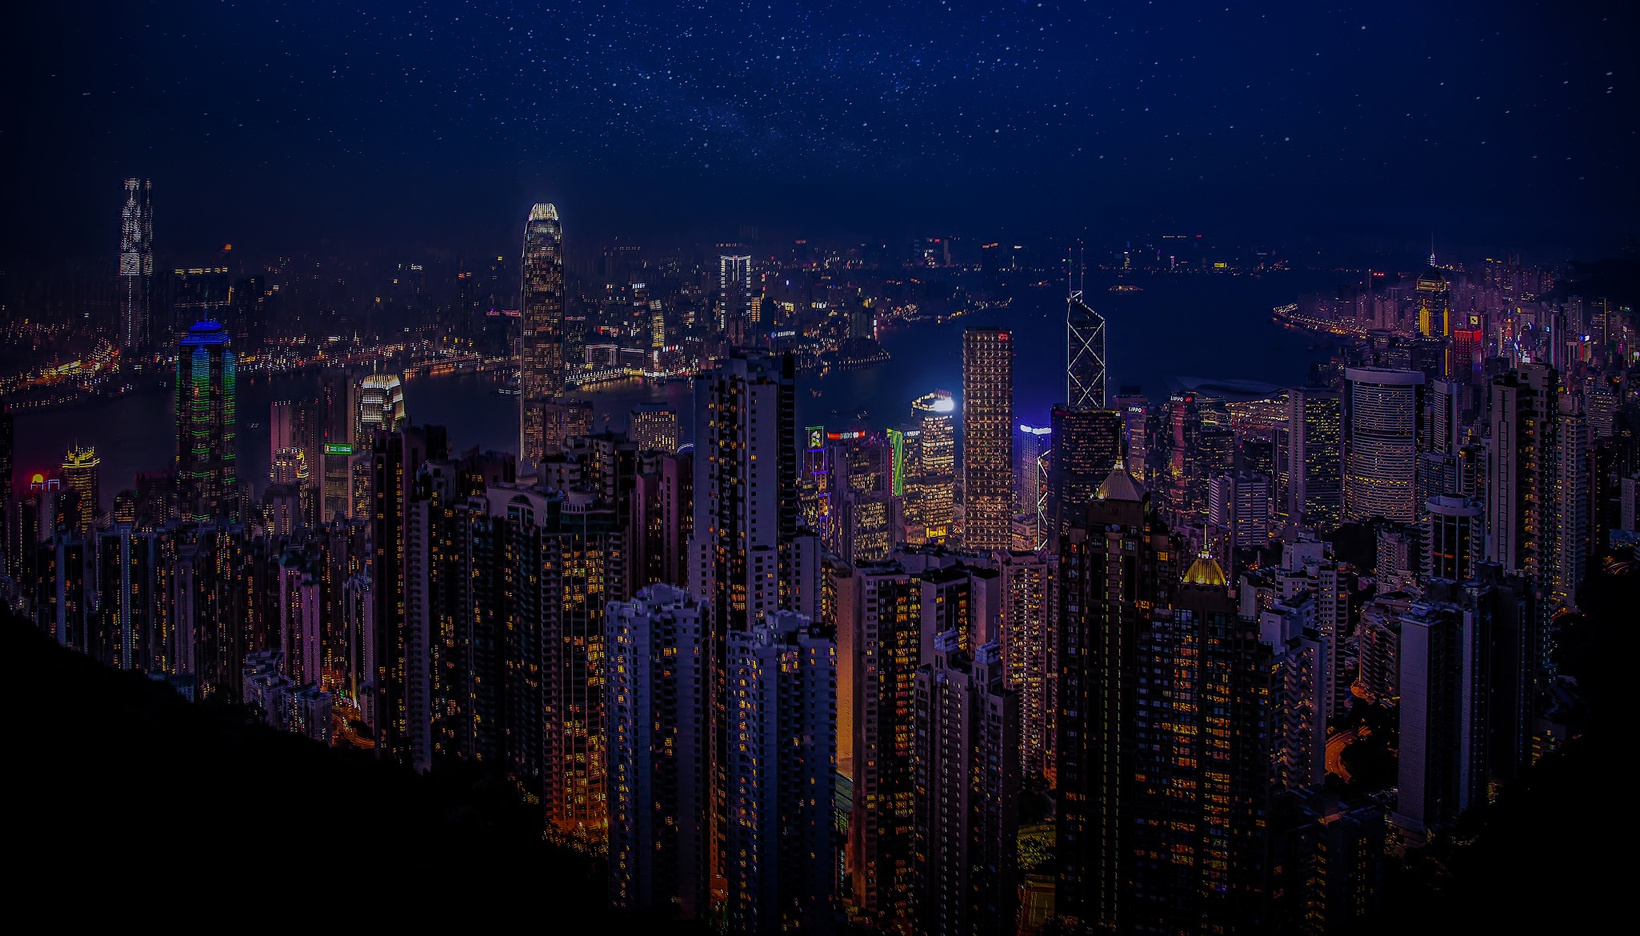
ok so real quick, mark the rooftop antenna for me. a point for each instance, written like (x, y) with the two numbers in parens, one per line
(1431, 248)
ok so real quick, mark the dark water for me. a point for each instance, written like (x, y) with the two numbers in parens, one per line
(1203, 326)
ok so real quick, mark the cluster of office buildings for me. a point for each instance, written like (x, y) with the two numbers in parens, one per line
(791, 679)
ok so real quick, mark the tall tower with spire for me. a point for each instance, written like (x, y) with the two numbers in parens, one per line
(541, 346)
(1434, 307)
(136, 266)
(1084, 349)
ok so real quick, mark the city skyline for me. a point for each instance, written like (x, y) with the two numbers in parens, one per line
(921, 470)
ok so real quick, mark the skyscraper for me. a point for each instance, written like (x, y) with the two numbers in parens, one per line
(207, 481)
(1381, 434)
(1570, 483)
(879, 617)
(1087, 442)
(930, 491)
(654, 427)
(734, 297)
(1452, 538)
(987, 437)
(137, 267)
(380, 407)
(1519, 489)
(1114, 565)
(1314, 466)
(81, 468)
(783, 715)
(746, 559)
(1084, 354)
(401, 671)
(541, 349)
(1434, 311)
(1025, 629)
(968, 783)
(657, 768)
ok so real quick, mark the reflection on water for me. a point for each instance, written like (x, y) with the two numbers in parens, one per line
(1208, 326)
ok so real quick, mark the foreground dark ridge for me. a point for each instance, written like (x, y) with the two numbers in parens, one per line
(119, 787)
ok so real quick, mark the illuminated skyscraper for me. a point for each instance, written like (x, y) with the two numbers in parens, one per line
(654, 427)
(137, 267)
(1025, 629)
(1031, 443)
(1381, 434)
(879, 619)
(1314, 466)
(1452, 538)
(1434, 309)
(987, 437)
(207, 480)
(380, 407)
(1519, 489)
(746, 557)
(931, 490)
(1084, 354)
(81, 467)
(1087, 442)
(734, 297)
(1570, 509)
(541, 349)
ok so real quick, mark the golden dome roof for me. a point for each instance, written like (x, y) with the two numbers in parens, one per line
(1205, 571)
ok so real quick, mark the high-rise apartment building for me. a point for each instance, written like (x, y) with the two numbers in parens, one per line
(968, 793)
(1195, 797)
(1571, 483)
(746, 557)
(137, 267)
(1518, 487)
(987, 438)
(780, 868)
(657, 746)
(1027, 582)
(879, 618)
(207, 379)
(400, 677)
(1381, 432)
(541, 348)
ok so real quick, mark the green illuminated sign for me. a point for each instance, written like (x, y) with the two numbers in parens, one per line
(338, 448)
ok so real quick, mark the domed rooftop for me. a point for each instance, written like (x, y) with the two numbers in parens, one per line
(1205, 571)
(1120, 486)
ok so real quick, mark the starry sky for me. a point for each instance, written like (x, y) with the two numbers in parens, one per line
(303, 126)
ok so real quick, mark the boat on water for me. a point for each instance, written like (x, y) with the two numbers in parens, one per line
(1126, 288)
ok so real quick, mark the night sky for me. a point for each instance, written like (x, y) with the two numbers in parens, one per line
(309, 126)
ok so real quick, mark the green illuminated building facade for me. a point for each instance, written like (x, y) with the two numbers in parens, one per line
(207, 485)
